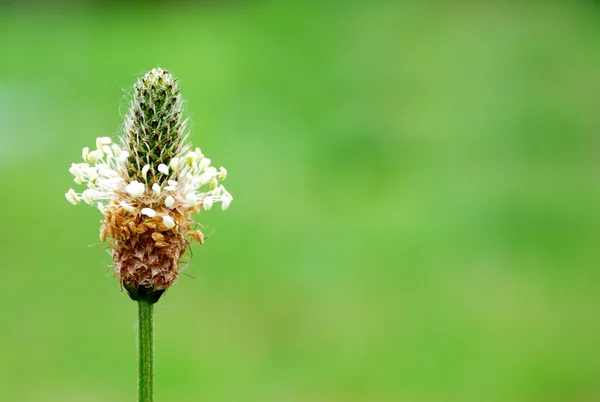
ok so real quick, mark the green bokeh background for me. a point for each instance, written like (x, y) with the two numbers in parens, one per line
(416, 212)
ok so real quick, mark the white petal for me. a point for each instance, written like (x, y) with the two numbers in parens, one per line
(168, 221)
(149, 212)
(135, 189)
(85, 153)
(174, 163)
(169, 201)
(156, 188)
(101, 208)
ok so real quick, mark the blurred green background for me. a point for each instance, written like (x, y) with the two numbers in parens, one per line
(416, 213)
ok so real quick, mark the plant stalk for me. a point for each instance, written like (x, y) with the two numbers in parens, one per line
(145, 352)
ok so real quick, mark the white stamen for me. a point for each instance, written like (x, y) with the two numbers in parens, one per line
(107, 150)
(127, 207)
(207, 203)
(145, 172)
(222, 174)
(218, 191)
(88, 196)
(164, 169)
(116, 149)
(193, 181)
(75, 168)
(149, 212)
(204, 163)
(135, 189)
(191, 198)
(102, 141)
(123, 156)
(191, 158)
(72, 197)
(226, 200)
(168, 221)
(106, 172)
(95, 156)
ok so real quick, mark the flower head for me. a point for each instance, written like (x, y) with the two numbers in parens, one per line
(147, 186)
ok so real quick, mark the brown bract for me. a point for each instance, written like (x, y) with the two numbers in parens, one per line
(146, 252)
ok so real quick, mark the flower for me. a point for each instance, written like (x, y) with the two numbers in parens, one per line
(147, 186)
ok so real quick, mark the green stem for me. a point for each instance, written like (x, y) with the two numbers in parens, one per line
(146, 352)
